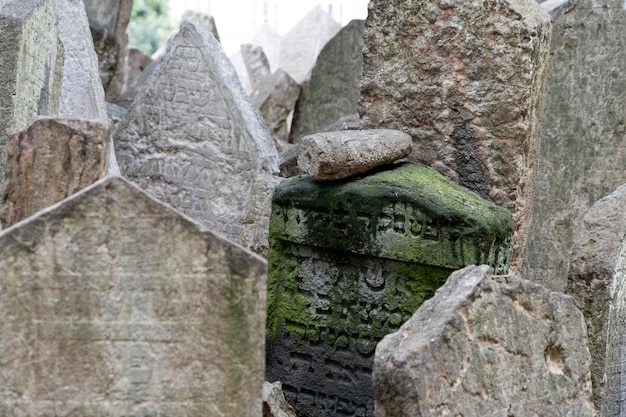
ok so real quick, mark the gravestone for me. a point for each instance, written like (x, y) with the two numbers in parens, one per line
(465, 79)
(269, 41)
(301, 45)
(116, 305)
(136, 63)
(82, 94)
(188, 16)
(31, 66)
(50, 160)
(108, 20)
(486, 346)
(333, 90)
(582, 158)
(350, 261)
(193, 139)
(596, 279)
(256, 63)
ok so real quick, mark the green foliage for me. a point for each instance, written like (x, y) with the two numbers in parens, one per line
(149, 25)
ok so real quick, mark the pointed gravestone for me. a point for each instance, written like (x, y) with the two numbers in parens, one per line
(31, 66)
(486, 346)
(193, 139)
(465, 79)
(334, 88)
(597, 279)
(583, 131)
(82, 94)
(114, 304)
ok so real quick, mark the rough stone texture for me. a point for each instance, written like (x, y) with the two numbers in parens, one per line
(465, 80)
(257, 65)
(486, 346)
(350, 261)
(274, 403)
(192, 138)
(289, 161)
(106, 18)
(188, 16)
(136, 63)
(301, 45)
(82, 94)
(584, 126)
(31, 66)
(349, 122)
(50, 160)
(275, 98)
(336, 155)
(596, 279)
(334, 88)
(256, 221)
(116, 305)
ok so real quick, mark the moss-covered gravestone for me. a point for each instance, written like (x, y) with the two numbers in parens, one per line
(350, 261)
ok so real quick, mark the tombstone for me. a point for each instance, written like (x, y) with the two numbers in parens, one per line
(136, 63)
(596, 279)
(470, 95)
(242, 72)
(188, 16)
(351, 260)
(334, 88)
(108, 20)
(50, 160)
(31, 66)
(276, 97)
(301, 45)
(257, 65)
(82, 94)
(582, 158)
(486, 346)
(192, 138)
(269, 41)
(116, 305)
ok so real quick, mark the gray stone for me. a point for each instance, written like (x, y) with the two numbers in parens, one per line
(256, 220)
(486, 346)
(301, 45)
(50, 160)
(350, 261)
(108, 53)
(337, 155)
(349, 122)
(188, 16)
(334, 88)
(116, 305)
(192, 138)
(289, 161)
(596, 279)
(31, 66)
(270, 42)
(242, 72)
(274, 403)
(257, 65)
(465, 79)
(136, 63)
(583, 131)
(276, 97)
(82, 94)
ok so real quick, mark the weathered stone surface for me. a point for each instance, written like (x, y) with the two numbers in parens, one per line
(188, 16)
(350, 261)
(109, 20)
(486, 346)
(274, 403)
(193, 139)
(136, 63)
(256, 221)
(289, 161)
(301, 45)
(465, 80)
(349, 122)
(275, 98)
(31, 66)
(596, 279)
(584, 126)
(257, 65)
(334, 88)
(336, 155)
(50, 160)
(116, 305)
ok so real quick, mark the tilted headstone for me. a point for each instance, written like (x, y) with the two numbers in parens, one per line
(465, 80)
(257, 65)
(193, 139)
(486, 346)
(50, 160)
(350, 261)
(276, 97)
(301, 45)
(583, 131)
(116, 305)
(82, 94)
(596, 278)
(31, 66)
(334, 88)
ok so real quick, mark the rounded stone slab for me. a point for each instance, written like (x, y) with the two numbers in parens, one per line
(336, 155)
